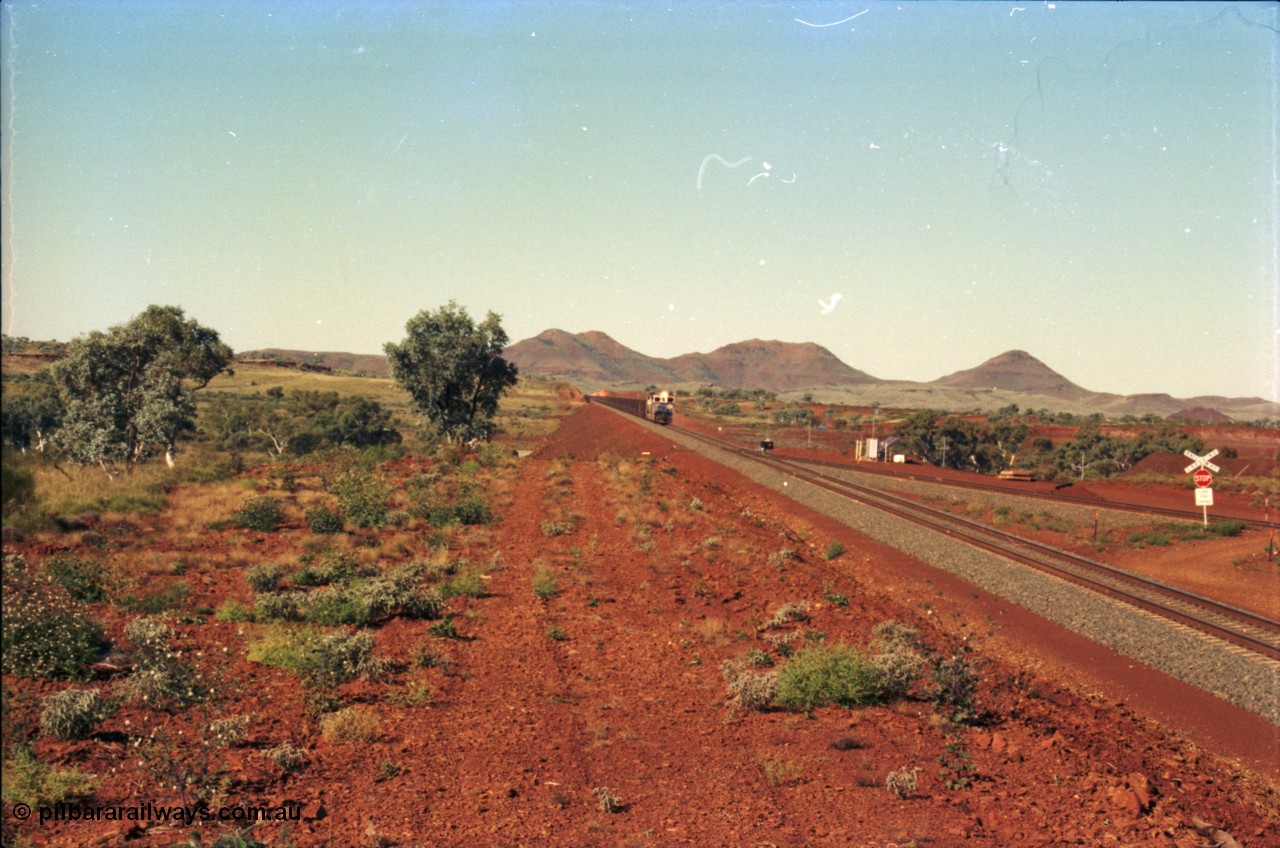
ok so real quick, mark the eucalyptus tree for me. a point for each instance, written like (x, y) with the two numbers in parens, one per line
(453, 370)
(127, 393)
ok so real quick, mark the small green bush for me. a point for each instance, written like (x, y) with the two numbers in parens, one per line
(228, 732)
(334, 568)
(82, 577)
(264, 578)
(74, 713)
(333, 605)
(326, 660)
(160, 678)
(468, 583)
(472, 509)
(825, 674)
(28, 781)
(423, 603)
(834, 548)
(230, 610)
(444, 629)
(45, 633)
(161, 600)
(748, 690)
(279, 606)
(545, 585)
(955, 685)
(350, 726)
(287, 756)
(323, 520)
(1227, 528)
(363, 496)
(259, 512)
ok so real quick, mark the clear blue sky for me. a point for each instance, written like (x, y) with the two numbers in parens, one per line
(1092, 183)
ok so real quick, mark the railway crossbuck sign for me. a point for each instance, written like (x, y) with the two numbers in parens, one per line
(1202, 466)
(1200, 461)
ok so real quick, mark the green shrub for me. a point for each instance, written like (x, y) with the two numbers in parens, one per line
(321, 519)
(468, 583)
(82, 577)
(160, 677)
(789, 612)
(258, 512)
(898, 669)
(45, 633)
(31, 782)
(287, 756)
(326, 660)
(228, 732)
(264, 578)
(556, 633)
(333, 605)
(834, 548)
(889, 636)
(1226, 528)
(444, 629)
(334, 568)
(351, 726)
(954, 687)
(230, 610)
(279, 606)
(73, 713)
(363, 497)
(824, 674)
(748, 690)
(472, 509)
(545, 585)
(423, 603)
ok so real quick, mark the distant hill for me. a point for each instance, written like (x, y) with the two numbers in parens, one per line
(593, 360)
(597, 358)
(374, 364)
(1015, 371)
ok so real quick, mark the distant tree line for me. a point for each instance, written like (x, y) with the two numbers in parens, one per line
(117, 398)
(299, 423)
(996, 443)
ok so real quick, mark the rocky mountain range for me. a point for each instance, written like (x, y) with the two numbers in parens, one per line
(593, 360)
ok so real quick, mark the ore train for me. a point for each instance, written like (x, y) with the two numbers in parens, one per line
(659, 408)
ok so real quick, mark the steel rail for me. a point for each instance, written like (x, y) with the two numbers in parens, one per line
(1252, 631)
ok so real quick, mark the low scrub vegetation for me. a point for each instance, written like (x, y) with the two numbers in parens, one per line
(45, 632)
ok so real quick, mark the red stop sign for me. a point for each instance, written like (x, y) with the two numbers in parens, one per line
(1202, 478)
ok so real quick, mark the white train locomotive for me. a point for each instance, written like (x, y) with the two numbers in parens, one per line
(660, 408)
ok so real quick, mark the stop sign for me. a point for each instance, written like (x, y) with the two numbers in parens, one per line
(1202, 477)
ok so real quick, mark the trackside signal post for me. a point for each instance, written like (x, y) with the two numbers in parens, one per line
(1200, 470)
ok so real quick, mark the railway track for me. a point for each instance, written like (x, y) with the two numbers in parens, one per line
(1250, 631)
(1057, 497)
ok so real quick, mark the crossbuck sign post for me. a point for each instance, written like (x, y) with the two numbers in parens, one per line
(1201, 466)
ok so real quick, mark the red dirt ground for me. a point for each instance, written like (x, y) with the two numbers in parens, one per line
(656, 590)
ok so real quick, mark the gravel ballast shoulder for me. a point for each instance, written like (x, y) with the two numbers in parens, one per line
(1216, 667)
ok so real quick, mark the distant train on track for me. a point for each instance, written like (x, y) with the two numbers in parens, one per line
(660, 408)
